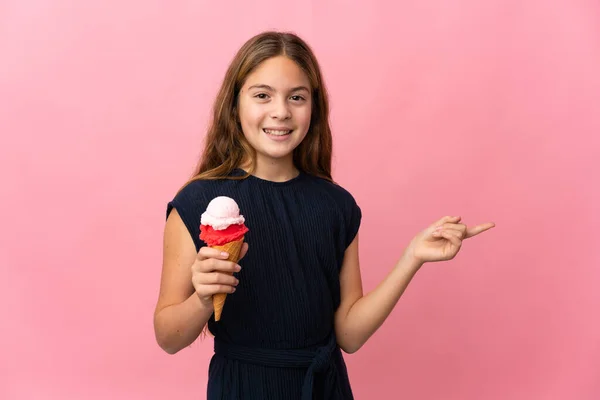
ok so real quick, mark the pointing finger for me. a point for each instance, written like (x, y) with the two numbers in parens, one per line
(476, 230)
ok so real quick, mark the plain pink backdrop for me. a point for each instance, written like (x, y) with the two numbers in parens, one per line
(485, 109)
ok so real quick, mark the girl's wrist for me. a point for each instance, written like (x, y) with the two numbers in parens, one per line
(205, 303)
(409, 261)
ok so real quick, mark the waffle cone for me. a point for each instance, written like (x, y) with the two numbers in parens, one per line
(234, 249)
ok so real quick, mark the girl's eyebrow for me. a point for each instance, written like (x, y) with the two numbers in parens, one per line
(267, 87)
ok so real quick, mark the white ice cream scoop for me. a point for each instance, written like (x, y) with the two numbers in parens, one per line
(221, 212)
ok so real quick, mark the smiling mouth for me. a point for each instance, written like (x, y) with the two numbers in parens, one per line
(276, 132)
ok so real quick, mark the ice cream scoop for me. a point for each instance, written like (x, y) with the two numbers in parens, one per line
(222, 212)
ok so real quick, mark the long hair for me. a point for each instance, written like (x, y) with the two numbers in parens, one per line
(226, 146)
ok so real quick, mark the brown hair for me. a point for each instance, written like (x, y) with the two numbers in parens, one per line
(225, 145)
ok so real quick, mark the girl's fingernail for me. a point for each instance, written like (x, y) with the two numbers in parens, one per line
(224, 254)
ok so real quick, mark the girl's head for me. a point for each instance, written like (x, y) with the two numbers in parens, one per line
(272, 106)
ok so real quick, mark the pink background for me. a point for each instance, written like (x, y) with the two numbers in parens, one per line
(489, 110)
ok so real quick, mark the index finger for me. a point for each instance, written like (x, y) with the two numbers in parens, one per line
(476, 230)
(209, 252)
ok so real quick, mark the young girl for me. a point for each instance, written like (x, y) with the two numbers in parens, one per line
(295, 298)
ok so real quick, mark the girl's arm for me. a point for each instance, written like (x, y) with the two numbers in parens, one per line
(358, 316)
(180, 315)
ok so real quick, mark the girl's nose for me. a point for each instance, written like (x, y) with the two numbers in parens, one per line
(281, 110)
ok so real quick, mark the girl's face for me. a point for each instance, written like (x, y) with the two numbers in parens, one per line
(274, 109)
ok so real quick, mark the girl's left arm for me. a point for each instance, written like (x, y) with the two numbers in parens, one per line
(358, 316)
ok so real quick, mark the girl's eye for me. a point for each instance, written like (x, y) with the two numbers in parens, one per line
(297, 98)
(261, 96)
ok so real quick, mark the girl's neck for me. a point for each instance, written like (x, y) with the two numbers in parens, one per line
(272, 170)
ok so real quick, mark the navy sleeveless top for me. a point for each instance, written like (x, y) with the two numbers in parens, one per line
(276, 337)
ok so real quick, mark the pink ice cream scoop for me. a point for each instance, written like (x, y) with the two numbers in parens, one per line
(221, 212)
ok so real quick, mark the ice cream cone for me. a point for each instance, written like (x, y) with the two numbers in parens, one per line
(233, 248)
(222, 227)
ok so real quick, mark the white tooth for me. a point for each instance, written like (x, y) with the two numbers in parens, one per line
(278, 133)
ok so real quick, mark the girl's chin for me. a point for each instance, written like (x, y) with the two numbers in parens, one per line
(275, 154)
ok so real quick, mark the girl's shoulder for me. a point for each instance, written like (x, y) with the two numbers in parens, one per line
(341, 199)
(343, 204)
(338, 193)
(193, 191)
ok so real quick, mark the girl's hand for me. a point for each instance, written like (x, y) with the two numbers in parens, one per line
(442, 240)
(212, 273)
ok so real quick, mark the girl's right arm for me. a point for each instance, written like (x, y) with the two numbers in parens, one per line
(188, 281)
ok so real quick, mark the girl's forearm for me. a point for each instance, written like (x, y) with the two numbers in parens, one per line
(178, 325)
(371, 310)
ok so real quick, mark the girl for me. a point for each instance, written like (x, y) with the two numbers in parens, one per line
(295, 299)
